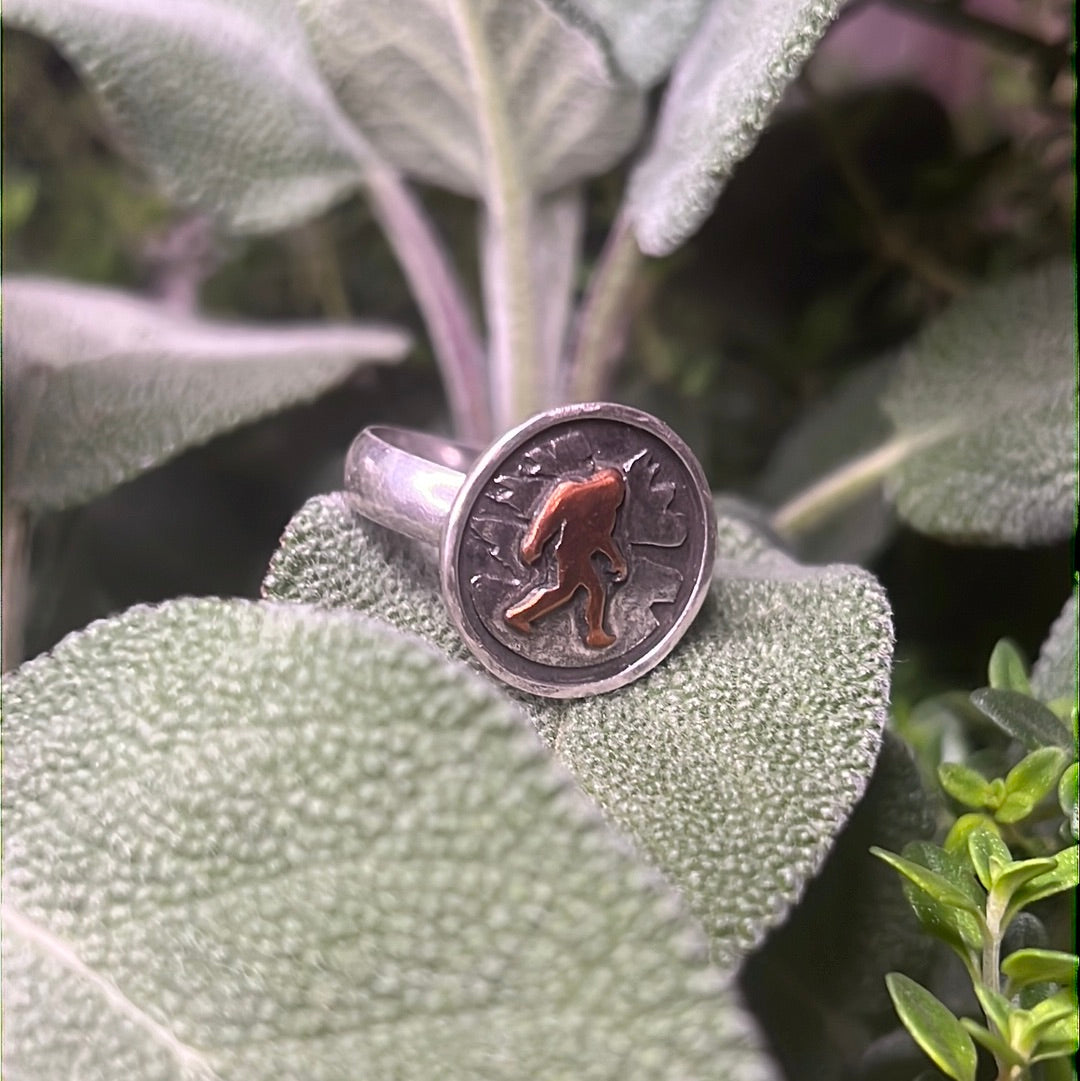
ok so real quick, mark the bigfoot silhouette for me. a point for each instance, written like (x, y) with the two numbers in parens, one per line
(585, 511)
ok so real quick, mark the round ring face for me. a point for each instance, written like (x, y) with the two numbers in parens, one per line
(579, 549)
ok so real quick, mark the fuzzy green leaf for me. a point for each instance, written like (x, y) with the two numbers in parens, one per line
(756, 736)
(1054, 672)
(1039, 966)
(262, 841)
(1007, 670)
(1029, 781)
(642, 37)
(1022, 718)
(934, 1027)
(727, 82)
(220, 98)
(475, 96)
(956, 841)
(965, 785)
(985, 400)
(100, 385)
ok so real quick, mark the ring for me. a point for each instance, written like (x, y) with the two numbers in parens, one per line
(574, 552)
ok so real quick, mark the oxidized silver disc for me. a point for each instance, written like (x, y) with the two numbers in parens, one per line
(579, 549)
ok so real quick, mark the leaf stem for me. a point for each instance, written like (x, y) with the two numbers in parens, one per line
(893, 244)
(843, 486)
(950, 14)
(508, 287)
(600, 333)
(438, 293)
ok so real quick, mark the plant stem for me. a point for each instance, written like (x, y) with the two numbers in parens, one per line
(951, 15)
(438, 293)
(14, 583)
(893, 244)
(843, 486)
(600, 334)
(508, 285)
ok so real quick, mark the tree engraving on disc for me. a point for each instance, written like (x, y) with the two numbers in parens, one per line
(561, 571)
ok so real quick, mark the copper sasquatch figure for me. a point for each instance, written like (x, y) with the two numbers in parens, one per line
(584, 511)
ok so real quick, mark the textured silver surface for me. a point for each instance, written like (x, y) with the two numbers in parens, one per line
(663, 530)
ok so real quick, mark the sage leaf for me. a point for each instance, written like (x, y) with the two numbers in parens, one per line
(254, 841)
(985, 400)
(221, 99)
(757, 736)
(934, 1027)
(852, 926)
(100, 385)
(643, 37)
(824, 521)
(723, 89)
(1039, 966)
(1054, 672)
(481, 97)
(1022, 717)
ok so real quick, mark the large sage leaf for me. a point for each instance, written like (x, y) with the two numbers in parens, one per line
(643, 37)
(100, 385)
(724, 88)
(1054, 672)
(734, 764)
(985, 400)
(254, 841)
(484, 97)
(220, 98)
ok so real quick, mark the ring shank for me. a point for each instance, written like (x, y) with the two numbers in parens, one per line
(406, 480)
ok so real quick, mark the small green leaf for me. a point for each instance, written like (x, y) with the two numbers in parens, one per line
(1022, 718)
(1059, 1038)
(100, 385)
(995, 1006)
(1031, 779)
(1067, 797)
(930, 882)
(1062, 877)
(1054, 672)
(934, 1027)
(995, 1044)
(965, 785)
(956, 841)
(250, 841)
(988, 854)
(1007, 670)
(983, 405)
(1039, 966)
(956, 927)
(1013, 876)
(1046, 1015)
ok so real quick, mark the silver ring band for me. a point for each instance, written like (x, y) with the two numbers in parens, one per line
(573, 553)
(406, 480)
